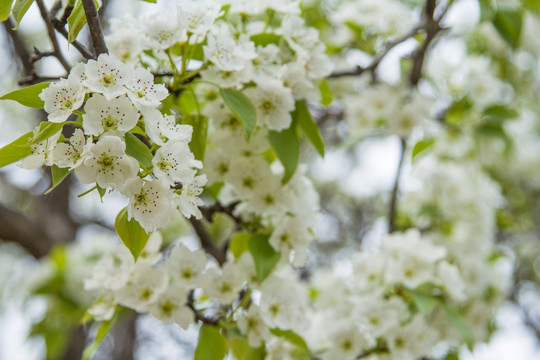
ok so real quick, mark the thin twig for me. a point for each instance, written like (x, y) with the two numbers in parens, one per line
(199, 316)
(395, 190)
(76, 44)
(206, 241)
(94, 25)
(372, 67)
(52, 36)
(33, 78)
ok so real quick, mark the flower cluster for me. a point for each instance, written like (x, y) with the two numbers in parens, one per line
(115, 103)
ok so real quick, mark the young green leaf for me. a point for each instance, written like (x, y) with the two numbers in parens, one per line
(421, 146)
(5, 9)
(508, 23)
(212, 345)
(104, 328)
(460, 325)
(287, 147)
(19, 9)
(45, 130)
(264, 255)
(242, 107)
(326, 94)
(200, 132)
(16, 150)
(308, 126)
(425, 303)
(290, 336)
(76, 21)
(131, 233)
(239, 244)
(28, 96)
(58, 175)
(138, 150)
(266, 39)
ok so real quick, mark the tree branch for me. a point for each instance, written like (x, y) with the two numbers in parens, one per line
(372, 67)
(18, 46)
(60, 27)
(206, 241)
(94, 25)
(393, 201)
(52, 36)
(199, 316)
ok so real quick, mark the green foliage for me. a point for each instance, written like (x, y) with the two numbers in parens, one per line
(104, 328)
(212, 345)
(239, 244)
(28, 96)
(200, 132)
(138, 150)
(287, 147)
(421, 146)
(291, 337)
(242, 108)
(20, 7)
(57, 176)
(308, 126)
(266, 39)
(460, 325)
(5, 9)
(508, 23)
(425, 303)
(76, 20)
(16, 150)
(45, 130)
(264, 255)
(131, 233)
(326, 94)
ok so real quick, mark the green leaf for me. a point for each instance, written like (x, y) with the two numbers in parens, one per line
(188, 102)
(326, 94)
(264, 255)
(138, 150)
(150, 1)
(508, 23)
(16, 150)
(460, 325)
(58, 175)
(256, 353)
(421, 146)
(308, 126)
(239, 244)
(239, 346)
(425, 303)
(45, 130)
(287, 147)
(28, 96)
(5, 9)
(200, 131)
(19, 9)
(131, 233)
(104, 328)
(266, 39)
(290, 336)
(242, 107)
(76, 21)
(212, 345)
(497, 114)
(486, 10)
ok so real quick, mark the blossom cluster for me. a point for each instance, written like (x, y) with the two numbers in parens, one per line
(114, 102)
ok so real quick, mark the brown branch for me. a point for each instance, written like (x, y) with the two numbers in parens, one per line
(34, 78)
(52, 36)
(207, 242)
(198, 315)
(393, 201)
(372, 67)
(94, 25)
(208, 212)
(60, 28)
(18, 46)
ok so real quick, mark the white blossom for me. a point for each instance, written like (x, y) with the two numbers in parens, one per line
(107, 76)
(62, 98)
(107, 164)
(112, 117)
